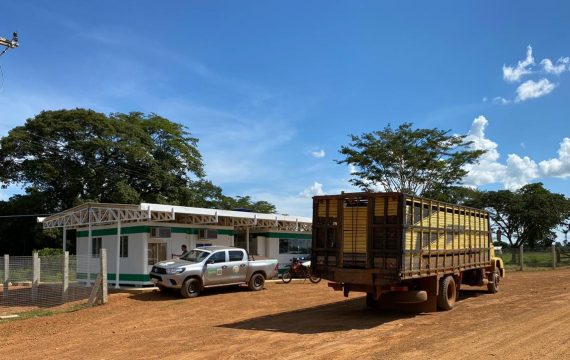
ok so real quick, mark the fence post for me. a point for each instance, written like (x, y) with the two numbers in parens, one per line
(65, 276)
(521, 256)
(6, 274)
(104, 275)
(35, 276)
(554, 255)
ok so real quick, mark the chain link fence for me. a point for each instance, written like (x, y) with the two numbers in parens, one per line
(521, 258)
(32, 282)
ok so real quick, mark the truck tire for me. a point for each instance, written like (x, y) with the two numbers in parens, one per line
(190, 288)
(493, 285)
(256, 282)
(447, 293)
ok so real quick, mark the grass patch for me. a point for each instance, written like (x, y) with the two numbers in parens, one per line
(44, 312)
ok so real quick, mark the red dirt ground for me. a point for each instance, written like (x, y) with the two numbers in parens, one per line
(528, 319)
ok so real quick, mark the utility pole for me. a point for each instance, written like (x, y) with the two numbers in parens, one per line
(9, 44)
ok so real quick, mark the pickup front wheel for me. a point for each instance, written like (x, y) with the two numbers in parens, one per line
(190, 288)
(256, 282)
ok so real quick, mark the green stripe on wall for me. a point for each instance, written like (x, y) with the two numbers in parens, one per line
(113, 231)
(123, 277)
(146, 229)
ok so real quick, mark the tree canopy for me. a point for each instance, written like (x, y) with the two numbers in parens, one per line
(529, 215)
(416, 161)
(67, 157)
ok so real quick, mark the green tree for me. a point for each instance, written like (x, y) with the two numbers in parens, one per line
(81, 155)
(527, 216)
(67, 157)
(416, 161)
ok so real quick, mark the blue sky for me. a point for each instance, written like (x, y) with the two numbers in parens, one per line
(273, 88)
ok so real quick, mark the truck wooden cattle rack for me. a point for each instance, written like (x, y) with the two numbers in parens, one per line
(402, 249)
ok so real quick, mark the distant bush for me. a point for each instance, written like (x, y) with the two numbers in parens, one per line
(50, 252)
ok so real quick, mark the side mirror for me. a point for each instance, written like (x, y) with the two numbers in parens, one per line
(211, 261)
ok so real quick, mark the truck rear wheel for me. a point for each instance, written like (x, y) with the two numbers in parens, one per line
(447, 293)
(190, 288)
(493, 285)
(256, 282)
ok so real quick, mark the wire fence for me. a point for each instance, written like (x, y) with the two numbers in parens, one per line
(521, 258)
(32, 282)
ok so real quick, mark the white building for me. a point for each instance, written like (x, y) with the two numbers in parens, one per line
(138, 236)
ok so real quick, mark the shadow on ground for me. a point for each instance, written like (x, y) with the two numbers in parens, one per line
(339, 316)
(175, 294)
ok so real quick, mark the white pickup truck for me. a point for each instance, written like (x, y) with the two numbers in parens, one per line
(212, 266)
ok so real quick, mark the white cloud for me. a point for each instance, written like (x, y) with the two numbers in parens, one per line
(512, 74)
(531, 89)
(351, 169)
(558, 167)
(562, 65)
(313, 190)
(318, 154)
(515, 173)
(519, 171)
(500, 100)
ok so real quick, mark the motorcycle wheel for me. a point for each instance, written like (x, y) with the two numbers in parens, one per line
(287, 276)
(314, 279)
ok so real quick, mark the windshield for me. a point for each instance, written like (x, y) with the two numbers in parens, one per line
(195, 256)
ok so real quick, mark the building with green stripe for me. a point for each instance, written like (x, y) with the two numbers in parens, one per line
(138, 236)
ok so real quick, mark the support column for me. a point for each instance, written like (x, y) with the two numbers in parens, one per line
(103, 258)
(521, 257)
(6, 274)
(118, 254)
(89, 255)
(554, 255)
(247, 239)
(35, 276)
(65, 276)
(64, 238)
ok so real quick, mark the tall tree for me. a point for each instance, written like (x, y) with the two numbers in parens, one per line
(416, 161)
(527, 216)
(67, 157)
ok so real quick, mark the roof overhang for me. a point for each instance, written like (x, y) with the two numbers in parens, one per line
(96, 214)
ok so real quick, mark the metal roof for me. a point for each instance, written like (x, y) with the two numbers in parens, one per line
(105, 214)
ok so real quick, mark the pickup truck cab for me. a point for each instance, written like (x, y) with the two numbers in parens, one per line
(212, 266)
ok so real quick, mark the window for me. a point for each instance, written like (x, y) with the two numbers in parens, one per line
(156, 252)
(160, 232)
(236, 255)
(294, 246)
(218, 257)
(199, 245)
(210, 234)
(124, 251)
(95, 246)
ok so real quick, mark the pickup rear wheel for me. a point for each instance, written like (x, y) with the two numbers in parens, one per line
(256, 282)
(447, 293)
(190, 288)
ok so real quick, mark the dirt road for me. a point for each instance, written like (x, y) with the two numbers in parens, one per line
(528, 319)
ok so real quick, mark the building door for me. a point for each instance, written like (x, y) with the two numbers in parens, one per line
(156, 252)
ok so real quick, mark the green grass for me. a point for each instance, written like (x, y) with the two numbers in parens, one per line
(44, 312)
(533, 259)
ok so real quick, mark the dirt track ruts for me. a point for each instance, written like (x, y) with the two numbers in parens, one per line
(528, 319)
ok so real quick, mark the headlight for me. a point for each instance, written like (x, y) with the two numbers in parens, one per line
(175, 270)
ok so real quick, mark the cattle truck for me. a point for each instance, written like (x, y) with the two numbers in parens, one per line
(403, 251)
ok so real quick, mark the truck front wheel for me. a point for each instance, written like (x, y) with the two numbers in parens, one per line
(256, 282)
(493, 285)
(447, 293)
(190, 288)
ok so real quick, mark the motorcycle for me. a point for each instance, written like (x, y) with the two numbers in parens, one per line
(300, 269)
